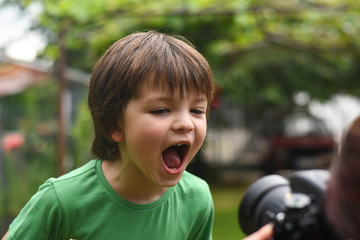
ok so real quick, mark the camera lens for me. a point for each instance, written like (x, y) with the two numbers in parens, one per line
(295, 206)
(262, 201)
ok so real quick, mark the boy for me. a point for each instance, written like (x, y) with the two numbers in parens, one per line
(149, 96)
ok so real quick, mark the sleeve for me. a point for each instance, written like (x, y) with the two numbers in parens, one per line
(40, 218)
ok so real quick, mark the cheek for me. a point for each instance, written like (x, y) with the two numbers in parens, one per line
(152, 130)
(145, 134)
(201, 133)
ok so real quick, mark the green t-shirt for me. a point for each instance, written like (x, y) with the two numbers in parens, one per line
(82, 205)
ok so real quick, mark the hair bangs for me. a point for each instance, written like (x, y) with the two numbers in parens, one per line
(180, 69)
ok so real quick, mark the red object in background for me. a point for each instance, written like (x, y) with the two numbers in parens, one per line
(305, 142)
(12, 141)
(216, 102)
(297, 140)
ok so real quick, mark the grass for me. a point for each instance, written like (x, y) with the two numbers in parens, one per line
(226, 202)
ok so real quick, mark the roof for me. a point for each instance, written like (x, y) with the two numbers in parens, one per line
(16, 76)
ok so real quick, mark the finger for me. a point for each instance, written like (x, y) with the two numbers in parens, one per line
(264, 233)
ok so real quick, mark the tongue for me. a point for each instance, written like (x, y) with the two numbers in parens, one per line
(171, 158)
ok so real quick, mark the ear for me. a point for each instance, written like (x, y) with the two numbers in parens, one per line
(117, 135)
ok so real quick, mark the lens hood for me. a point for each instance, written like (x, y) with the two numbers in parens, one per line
(265, 193)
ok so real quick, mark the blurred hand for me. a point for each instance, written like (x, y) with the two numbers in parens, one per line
(4, 237)
(264, 233)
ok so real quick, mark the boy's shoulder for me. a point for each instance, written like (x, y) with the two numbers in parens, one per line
(194, 193)
(192, 184)
(193, 179)
(76, 180)
(88, 168)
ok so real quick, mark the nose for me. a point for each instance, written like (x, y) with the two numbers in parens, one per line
(183, 122)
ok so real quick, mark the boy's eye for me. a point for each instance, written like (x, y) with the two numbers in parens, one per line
(197, 111)
(159, 111)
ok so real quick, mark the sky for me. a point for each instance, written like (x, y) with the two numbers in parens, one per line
(18, 41)
(337, 113)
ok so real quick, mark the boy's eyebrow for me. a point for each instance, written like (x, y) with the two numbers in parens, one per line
(198, 98)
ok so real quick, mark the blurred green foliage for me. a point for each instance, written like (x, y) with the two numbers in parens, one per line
(81, 136)
(31, 113)
(262, 52)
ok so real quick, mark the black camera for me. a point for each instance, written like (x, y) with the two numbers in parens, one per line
(295, 206)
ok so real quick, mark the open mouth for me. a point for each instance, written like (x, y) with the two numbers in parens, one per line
(173, 156)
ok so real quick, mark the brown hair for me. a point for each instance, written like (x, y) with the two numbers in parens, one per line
(343, 197)
(162, 60)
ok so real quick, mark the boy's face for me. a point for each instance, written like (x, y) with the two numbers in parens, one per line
(161, 134)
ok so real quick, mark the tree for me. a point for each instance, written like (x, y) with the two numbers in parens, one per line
(262, 51)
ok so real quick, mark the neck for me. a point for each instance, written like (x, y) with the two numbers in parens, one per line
(130, 184)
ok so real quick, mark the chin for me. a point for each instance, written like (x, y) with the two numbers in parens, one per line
(170, 182)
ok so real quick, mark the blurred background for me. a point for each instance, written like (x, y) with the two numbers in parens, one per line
(286, 74)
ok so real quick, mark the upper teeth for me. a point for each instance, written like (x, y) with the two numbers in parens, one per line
(179, 144)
